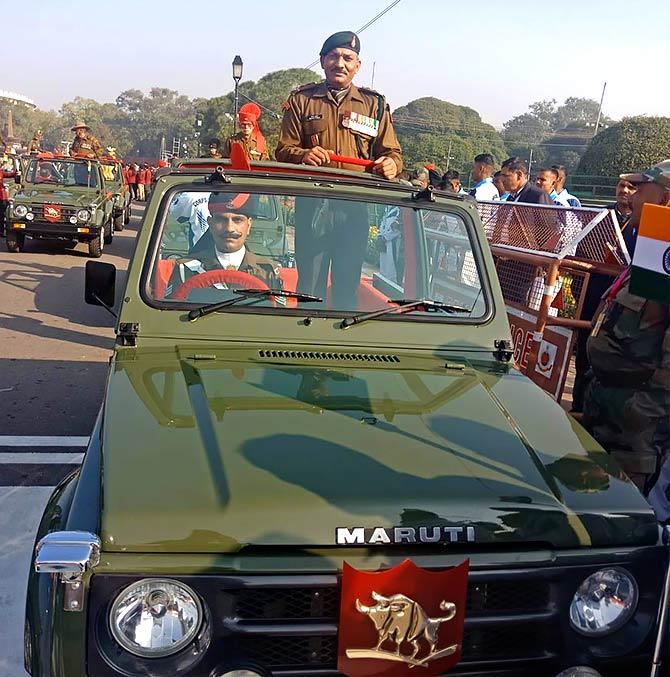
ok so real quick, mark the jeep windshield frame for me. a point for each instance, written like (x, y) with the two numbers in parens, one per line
(62, 172)
(296, 187)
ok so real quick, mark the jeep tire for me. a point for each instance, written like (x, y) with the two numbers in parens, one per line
(108, 230)
(119, 220)
(15, 242)
(96, 244)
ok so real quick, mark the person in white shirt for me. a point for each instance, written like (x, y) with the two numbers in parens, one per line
(561, 191)
(482, 175)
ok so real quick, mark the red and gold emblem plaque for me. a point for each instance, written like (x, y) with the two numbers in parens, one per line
(403, 618)
(52, 213)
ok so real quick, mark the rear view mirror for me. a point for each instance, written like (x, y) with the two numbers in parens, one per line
(100, 285)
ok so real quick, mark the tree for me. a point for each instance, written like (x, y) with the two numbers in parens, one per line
(634, 143)
(427, 127)
(557, 134)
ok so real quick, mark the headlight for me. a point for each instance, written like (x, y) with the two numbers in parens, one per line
(603, 602)
(83, 215)
(155, 617)
(20, 211)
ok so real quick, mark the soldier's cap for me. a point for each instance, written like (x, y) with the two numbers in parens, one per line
(214, 143)
(659, 173)
(79, 124)
(346, 39)
(238, 203)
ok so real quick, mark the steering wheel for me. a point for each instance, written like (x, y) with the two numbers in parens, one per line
(235, 278)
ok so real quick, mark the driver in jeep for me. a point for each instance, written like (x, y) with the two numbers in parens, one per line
(222, 248)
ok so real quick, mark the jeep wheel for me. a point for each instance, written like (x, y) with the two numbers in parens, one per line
(118, 222)
(96, 245)
(15, 242)
(127, 214)
(108, 230)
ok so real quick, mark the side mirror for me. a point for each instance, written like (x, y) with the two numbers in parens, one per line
(100, 285)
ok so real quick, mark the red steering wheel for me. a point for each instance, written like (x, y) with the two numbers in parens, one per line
(235, 278)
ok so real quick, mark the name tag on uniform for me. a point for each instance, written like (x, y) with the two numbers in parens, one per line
(357, 122)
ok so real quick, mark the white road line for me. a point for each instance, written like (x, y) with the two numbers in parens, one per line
(40, 458)
(42, 441)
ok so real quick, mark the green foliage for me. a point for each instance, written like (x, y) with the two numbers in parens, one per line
(557, 134)
(634, 143)
(427, 126)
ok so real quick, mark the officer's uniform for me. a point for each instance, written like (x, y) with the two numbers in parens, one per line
(250, 147)
(627, 403)
(35, 145)
(88, 146)
(258, 266)
(356, 124)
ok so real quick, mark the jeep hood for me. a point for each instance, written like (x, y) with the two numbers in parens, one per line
(226, 451)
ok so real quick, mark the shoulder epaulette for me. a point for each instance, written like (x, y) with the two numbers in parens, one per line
(367, 90)
(304, 88)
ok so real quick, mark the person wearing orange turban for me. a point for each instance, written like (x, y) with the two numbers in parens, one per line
(250, 135)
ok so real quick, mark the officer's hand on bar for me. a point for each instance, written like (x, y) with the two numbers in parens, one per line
(316, 156)
(385, 166)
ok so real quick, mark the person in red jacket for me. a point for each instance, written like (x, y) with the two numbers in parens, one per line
(131, 175)
(4, 197)
(147, 177)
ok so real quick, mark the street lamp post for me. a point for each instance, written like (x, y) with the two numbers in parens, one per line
(237, 76)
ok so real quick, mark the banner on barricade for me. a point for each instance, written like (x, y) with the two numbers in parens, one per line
(553, 359)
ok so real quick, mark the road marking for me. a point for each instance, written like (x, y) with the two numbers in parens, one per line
(40, 457)
(43, 441)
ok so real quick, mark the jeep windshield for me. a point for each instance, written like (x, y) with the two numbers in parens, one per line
(358, 256)
(60, 172)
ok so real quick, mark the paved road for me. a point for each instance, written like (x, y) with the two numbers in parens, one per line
(54, 351)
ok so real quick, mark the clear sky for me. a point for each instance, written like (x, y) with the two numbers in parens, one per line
(494, 56)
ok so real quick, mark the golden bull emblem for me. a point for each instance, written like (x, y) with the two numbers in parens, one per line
(401, 621)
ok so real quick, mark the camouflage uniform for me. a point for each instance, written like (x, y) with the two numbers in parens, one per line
(205, 260)
(627, 404)
(35, 145)
(88, 146)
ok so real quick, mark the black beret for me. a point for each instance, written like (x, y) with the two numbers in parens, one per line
(346, 39)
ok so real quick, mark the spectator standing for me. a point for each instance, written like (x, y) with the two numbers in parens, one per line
(451, 182)
(563, 195)
(498, 183)
(482, 175)
(148, 179)
(546, 180)
(141, 182)
(131, 175)
(514, 176)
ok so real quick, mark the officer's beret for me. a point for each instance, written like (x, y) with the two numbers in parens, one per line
(238, 203)
(346, 39)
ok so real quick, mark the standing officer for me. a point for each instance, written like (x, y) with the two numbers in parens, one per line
(337, 117)
(250, 135)
(214, 148)
(84, 142)
(35, 144)
(627, 402)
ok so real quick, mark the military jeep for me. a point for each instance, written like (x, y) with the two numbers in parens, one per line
(254, 443)
(112, 171)
(61, 198)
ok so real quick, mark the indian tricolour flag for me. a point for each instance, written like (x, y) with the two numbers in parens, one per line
(650, 273)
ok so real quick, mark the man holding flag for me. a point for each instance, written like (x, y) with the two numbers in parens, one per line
(627, 403)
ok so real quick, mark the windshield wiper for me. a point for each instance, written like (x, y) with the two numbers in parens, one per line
(255, 294)
(402, 306)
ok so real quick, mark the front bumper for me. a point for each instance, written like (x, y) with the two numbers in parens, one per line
(516, 622)
(59, 230)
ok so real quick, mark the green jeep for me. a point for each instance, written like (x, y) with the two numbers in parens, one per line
(254, 439)
(61, 198)
(112, 171)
